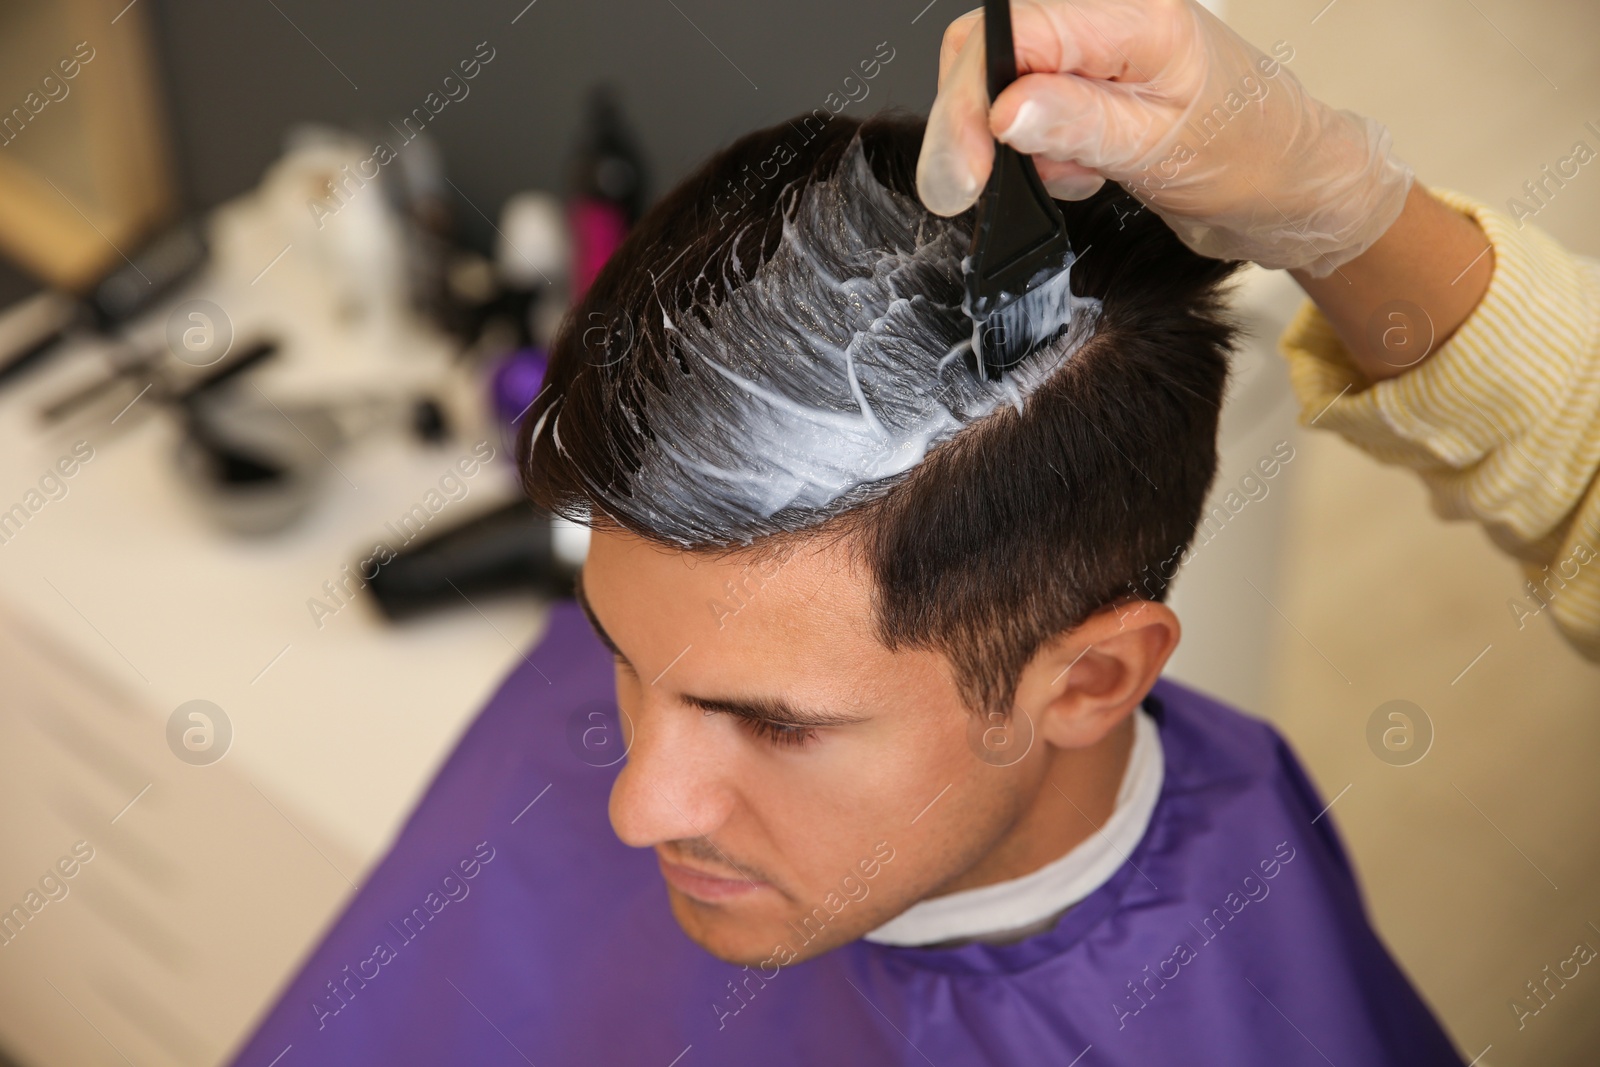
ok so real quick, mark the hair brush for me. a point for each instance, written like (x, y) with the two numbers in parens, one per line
(1019, 239)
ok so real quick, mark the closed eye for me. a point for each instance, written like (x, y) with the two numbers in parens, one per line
(774, 720)
(777, 734)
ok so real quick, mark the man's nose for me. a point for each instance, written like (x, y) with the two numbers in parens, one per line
(674, 784)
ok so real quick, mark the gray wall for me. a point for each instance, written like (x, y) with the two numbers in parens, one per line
(238, 74)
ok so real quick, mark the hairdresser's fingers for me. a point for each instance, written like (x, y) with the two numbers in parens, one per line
(1128, 40)
(1125, 40)
(955, 36)
(1141, 54)
(1104, 126)
(957, 149)
(1067, 181)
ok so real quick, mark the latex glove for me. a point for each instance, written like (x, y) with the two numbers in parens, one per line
(1216, 137)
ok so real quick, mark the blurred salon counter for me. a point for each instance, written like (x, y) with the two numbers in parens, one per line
(119, 602)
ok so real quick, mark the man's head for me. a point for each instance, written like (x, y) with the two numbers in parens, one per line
(876, 619)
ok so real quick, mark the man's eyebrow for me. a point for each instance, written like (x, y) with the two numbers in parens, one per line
(588, 612)
(775, 710)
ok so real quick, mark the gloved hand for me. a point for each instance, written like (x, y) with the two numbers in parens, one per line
(1160, 96)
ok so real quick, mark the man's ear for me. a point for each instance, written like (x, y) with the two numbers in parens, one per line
(1082, 683)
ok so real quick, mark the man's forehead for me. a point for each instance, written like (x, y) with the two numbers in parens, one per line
(795, 627)
(813, 591)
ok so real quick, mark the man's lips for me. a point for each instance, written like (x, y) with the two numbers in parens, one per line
(707, 888)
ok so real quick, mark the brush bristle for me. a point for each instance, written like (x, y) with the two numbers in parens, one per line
(1007, 330)
(1019, 249)
(1002, 338)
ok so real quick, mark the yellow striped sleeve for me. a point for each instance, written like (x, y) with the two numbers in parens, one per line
(1502, 421)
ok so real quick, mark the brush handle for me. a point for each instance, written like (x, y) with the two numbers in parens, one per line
(999, 49)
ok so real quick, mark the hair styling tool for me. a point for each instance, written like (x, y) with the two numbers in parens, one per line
(1019, 239)
(508, 550)
(31, 330)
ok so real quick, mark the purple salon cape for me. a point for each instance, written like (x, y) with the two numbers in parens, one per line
(509, 926)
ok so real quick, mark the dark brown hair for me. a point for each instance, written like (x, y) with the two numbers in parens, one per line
(1012, 530)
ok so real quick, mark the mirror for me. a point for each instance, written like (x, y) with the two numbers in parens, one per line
(84, 170)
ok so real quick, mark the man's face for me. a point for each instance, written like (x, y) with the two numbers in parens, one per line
(800, 784)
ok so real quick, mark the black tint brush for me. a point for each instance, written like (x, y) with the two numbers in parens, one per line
(1019, 239)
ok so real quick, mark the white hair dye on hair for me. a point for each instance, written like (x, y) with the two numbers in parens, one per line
(830, 370)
